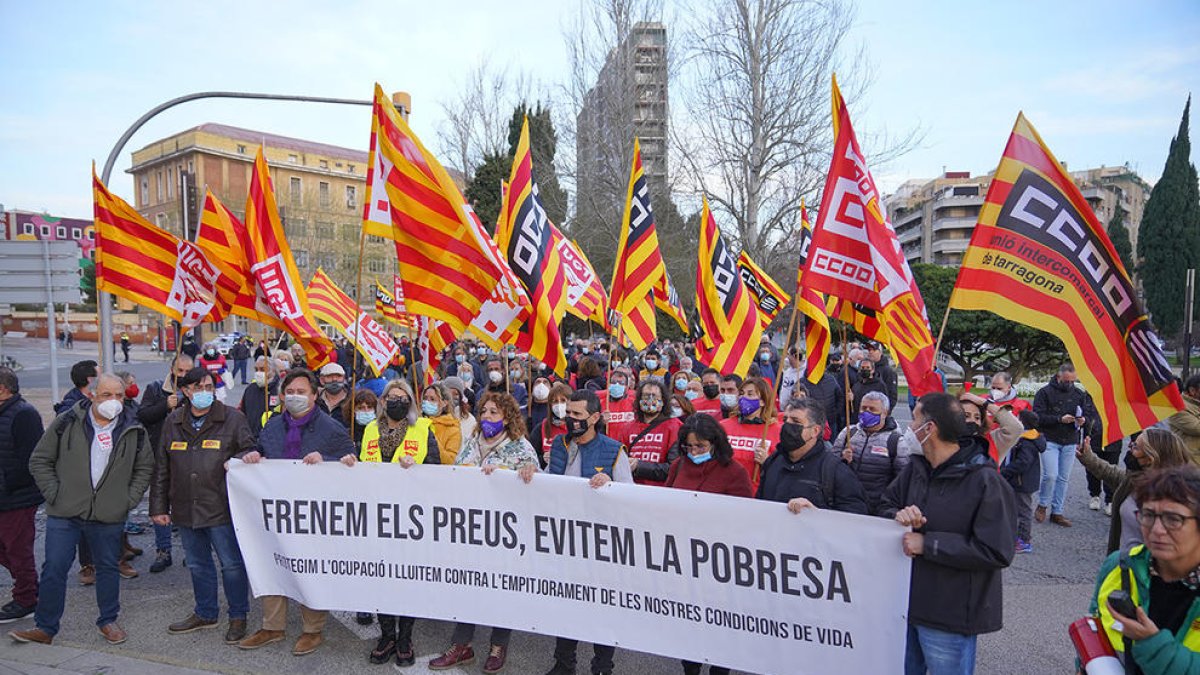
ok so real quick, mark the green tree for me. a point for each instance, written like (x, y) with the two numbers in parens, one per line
(1119, 234)
(982, 342)
(87, 280)
(1169, 241)
(543, 143)
(483, 192)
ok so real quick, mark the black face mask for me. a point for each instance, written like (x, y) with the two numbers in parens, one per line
(397, 408)
(335, 388)
(711, 391)
(972, 428)
(575, 428)
(1064, 386)
(791, 436)
(866, 376)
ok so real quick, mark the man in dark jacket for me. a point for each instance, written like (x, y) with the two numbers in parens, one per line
(162, 397)
(874, 448)
(188, 489)
(262, 394)
(803, 472)
(829, 394)
(93, 464)
(239, 353)
(1060, 410)
(884, 370)
(20, 429)
(868, 381)
(963, 516)
(82, 375)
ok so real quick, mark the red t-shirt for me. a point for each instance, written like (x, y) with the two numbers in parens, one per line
(620, 417)
(713, 407)
(745, 439)
(653, 446)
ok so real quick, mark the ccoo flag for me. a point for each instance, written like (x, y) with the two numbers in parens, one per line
(768, 295)
(639, 272)
(524, 234)
(728, 317)
(812, 305)
(144, 264)
(330, 303)
(223, 238)
(586, 298)
(1039, 257)
(856, 258)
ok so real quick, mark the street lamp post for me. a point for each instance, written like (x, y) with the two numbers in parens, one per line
(103, 299)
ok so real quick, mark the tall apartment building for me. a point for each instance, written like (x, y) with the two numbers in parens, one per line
(934, 219)
(629, 99)
(319, 189)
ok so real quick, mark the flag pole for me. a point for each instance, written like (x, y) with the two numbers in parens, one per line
(942, 331)
(787, 343)
(846, 373)
(507, 379)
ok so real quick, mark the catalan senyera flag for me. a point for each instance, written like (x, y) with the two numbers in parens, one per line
(523, 233)
(275, 271)
(504, 311)
(728, 317)
(411, 199)
(1041, 258)
(385, 304)
(331, 304)
(812, 305)
(639, 266)
(433, 337)
(586, 297)
(223, 238)
(146, 265)
(768, 295)
(666, 298)
(855, 258)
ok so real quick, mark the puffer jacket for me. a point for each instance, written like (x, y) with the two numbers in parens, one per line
(189, 467)
(872, 461)
(61, 465)
(20, 429)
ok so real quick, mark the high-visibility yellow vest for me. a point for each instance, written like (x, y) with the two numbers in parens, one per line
(415, 443)
(1190, 637)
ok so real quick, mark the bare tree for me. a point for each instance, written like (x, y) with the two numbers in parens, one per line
(759, 136)
(476, 120)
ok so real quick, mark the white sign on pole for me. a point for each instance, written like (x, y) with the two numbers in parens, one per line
(710, 578)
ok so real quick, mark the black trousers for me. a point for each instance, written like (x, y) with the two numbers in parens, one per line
(399, 628)
(602, 655)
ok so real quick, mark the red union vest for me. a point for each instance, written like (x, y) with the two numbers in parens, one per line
(652, 446)
(707, 407)
(620, 417)
(745, 439)
(550, 431)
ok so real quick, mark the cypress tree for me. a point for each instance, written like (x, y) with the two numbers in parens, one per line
(1169, 240)
(1119, 235)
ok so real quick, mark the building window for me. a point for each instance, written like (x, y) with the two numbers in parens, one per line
(324, 230)
(91, 234)
(170, 181)
(377, 266)
(323, 189)
(191, 167)
(293, 159)
(301, 257)
(45, 232)
(60, 232)
(351, 197)
(294, 189)
(372, 239)
(241, 149)
(158, 187)
(28, 228)
(297, 227)
(161, 220)
(145, 190)
(324, 165)
(350, 168)
(75, 233)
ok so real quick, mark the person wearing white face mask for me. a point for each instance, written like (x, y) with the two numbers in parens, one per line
(494, 368)
(301, 432)
(553, 425)
(963, 517)
(539, 403)
(91, 464)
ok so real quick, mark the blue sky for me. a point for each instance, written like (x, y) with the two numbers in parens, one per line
(1104, 82)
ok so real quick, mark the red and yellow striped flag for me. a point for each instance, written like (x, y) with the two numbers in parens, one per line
(726, 310)
(768, 295)
(639, 268)
(146, 265)
(223, 237)
(812, 305)
(411, 200)
(666, 298)
(524, 234)
(274, 270)
(1041, 258)
(586, 298)
(385, 304)
(329, 303)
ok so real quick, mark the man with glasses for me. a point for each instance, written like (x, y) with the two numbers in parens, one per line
(803, 472)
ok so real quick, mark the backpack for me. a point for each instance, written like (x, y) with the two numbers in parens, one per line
(828, 471)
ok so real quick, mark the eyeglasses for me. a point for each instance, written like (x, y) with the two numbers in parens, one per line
(1171, 521)
(699, 446)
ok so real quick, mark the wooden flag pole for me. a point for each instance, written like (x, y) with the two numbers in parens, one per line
(942, 331)
(846, 373)
(507, 380)
(787, 343)
(362, 244)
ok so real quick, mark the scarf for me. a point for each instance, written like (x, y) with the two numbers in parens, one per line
(291, 442)
(391, 438)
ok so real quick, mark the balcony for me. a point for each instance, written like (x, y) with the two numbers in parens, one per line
(901, 219)
(969, 200)
(943, 224)
(950, 246)
(911, 234)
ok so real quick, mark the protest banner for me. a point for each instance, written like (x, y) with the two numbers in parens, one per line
(731, 581)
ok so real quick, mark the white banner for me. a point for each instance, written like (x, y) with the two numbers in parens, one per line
(725, 580)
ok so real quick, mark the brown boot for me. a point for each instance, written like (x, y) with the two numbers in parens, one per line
(236, 632)
(456, 655)
(87, 575)
(495, 660)
(261, 638)
(307, 644)
(1060, 519)
(32, 635)
(126, 570)
(1040, 514)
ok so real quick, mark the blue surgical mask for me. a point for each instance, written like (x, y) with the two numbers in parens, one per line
(691, 395)
(202, 400)
(729, 401)
(458, 358)
(680, 385)
(616, 390)
(700, 459)
(429, 408)
(364, 417)
(651, 364)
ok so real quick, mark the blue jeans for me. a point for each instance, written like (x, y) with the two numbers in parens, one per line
(1056, 473)
(938, 652)
(162, 538)
(240, 366)
(198, 545)
(62, 536)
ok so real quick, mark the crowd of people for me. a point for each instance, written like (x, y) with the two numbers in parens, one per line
(969, 475)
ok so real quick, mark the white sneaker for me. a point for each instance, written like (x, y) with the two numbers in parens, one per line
(1108, 509)
(1094, 504)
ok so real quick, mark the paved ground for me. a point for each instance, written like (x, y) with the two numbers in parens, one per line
(1044, 592)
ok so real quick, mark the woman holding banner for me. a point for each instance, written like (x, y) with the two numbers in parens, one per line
(499, 444)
